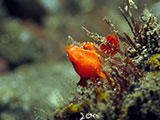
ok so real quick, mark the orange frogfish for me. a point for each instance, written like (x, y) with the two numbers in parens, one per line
(85, 61)
(109, 48)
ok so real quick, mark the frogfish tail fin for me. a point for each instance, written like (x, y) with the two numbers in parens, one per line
(102, 75)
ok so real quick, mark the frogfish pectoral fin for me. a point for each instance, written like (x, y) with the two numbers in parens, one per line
(83, 82)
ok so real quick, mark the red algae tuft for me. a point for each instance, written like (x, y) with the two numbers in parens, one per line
(110, 47)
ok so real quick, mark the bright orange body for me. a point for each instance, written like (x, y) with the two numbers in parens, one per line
(85, 61)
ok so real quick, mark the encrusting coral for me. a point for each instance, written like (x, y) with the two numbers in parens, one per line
(117, 83)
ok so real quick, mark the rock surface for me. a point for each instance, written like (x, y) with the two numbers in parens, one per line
(35, 86)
